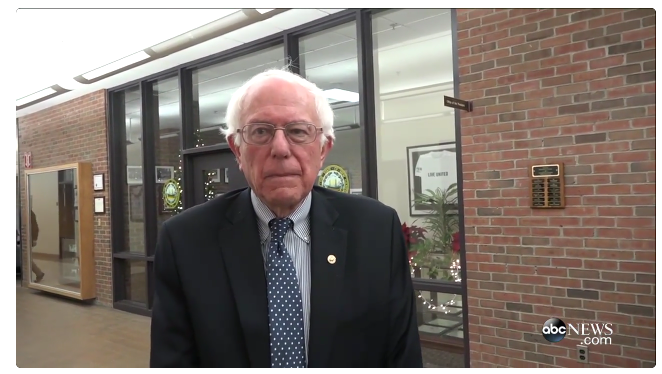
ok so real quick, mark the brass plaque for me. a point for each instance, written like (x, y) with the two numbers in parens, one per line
(545, 170)
(547, 186)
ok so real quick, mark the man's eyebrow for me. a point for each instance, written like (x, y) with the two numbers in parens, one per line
(258, 120)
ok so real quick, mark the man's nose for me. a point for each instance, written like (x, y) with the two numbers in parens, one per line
(280, 146)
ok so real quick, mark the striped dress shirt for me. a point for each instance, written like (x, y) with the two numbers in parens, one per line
(297, 243)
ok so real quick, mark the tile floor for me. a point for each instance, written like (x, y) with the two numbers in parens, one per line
(55, 332)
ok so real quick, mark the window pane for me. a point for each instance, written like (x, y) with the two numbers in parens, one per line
(416, 162)
(135, 281)
(134, 226)
(440, 322)
(167, 149)
(214, 85)
(329, 59)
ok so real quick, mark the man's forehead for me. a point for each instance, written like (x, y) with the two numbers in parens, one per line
(279, 100)
(277, 90)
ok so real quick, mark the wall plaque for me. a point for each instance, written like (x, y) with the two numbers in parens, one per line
(547, 186)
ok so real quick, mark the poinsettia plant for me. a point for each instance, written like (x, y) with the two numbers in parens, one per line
(413, 235)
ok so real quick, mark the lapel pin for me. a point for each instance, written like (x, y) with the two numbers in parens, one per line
(331, 259)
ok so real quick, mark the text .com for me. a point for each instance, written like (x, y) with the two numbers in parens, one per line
(554, 330)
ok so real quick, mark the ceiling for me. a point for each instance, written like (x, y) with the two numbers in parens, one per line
(87, 39)
(410, 44)
(270, 26)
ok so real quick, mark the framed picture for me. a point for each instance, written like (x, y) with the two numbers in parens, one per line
(356, 191)
(99, 205)
(134, 175)
(136, 203)
(429, 167)
(98, 182)
(214, 175)
(164, 173)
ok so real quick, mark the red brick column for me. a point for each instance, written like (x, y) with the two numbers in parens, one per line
(573, 86)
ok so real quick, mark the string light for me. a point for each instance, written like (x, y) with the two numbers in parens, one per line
(209, 188)
(457, 277)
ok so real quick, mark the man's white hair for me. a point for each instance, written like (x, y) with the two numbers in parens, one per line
(234, 112)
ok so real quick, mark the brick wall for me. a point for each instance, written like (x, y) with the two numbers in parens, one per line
(74, 131)
(559, 85)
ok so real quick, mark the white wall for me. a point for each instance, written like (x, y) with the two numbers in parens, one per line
(410, 111)
(413, 118)
(347, 153)
(44, 196)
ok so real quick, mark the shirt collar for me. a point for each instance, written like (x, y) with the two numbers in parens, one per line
(299, 217)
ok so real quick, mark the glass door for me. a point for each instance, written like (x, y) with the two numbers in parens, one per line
(215, 174)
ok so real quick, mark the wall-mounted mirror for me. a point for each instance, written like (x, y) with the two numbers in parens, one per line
(60, 236)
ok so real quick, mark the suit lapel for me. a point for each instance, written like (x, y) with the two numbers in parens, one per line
(327, 278)
(242, 255)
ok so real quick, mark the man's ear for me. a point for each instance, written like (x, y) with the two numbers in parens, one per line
(326, 148)
(235, 149)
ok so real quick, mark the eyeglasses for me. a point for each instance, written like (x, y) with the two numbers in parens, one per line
(263, 133)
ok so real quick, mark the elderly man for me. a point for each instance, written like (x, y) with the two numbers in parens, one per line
(283, 273)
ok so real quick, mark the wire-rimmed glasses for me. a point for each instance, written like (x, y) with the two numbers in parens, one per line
(263, 133)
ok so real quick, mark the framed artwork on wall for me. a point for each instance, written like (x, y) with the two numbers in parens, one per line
(214, 175)
(98, 182)
(99, 204)
(429, 167)
(134, 175)
(164, 173)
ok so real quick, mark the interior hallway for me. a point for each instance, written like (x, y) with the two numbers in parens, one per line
(54, 332)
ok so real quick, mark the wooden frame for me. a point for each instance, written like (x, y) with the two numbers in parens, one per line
(83, 243)
(547, 186)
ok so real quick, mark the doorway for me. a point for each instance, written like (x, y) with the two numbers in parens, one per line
(215, 174)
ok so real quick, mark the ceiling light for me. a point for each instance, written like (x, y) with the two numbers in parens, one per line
(262, 11)
(235, 19)
(70, 84)
(117, 65)
(35, 96)
(341, 95)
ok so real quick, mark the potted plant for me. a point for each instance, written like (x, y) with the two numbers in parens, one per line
(440, 246)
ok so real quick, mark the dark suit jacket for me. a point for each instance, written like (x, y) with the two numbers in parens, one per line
(210, 296)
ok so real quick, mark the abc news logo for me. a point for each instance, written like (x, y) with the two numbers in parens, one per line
(554, 330)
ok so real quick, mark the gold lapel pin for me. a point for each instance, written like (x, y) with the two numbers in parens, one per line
(331, 259)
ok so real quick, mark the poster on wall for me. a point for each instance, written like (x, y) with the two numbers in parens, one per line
(429, 167)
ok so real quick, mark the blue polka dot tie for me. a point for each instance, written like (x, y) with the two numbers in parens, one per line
(285, 306)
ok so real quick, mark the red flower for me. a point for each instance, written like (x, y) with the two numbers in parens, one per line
(412, 233)
(456, 242)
